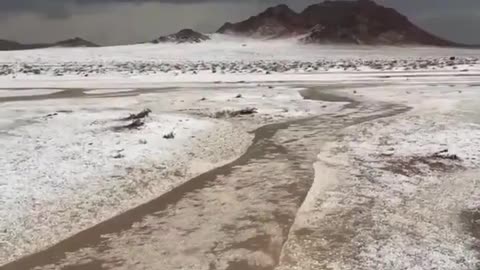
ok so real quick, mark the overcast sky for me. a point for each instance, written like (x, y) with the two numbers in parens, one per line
(127, 21)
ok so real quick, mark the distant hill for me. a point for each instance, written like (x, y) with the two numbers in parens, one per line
(349, 22)
(279, 21)
(183, 36)
(361, 22)
(7, 45)
(74, 42)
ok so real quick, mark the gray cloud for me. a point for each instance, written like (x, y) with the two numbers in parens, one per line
(126, 21)
(64, 7)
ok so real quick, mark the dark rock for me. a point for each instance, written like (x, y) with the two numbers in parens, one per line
(135, 124)
(169, 136)
(51, 115)
(139, 115)
(247, 111)
(445, 155)
(230, 113)
(183, 36)
(118, 156)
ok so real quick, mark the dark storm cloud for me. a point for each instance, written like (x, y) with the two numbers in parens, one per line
(51, 6)
(125, 21)
(65, 8)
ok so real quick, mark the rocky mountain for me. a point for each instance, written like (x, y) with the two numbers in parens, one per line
(350, 22)
(274, 22)
(74, 42)
(183, 36)
(7, 45)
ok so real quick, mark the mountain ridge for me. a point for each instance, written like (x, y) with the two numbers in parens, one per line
(360, 22)
(8, 45)
(182, 36)
(350, 22)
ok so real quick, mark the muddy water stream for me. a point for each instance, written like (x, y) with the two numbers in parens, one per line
(236, 217)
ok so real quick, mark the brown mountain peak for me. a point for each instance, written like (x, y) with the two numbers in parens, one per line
(273, 22)
(354, 22)
(183, 36)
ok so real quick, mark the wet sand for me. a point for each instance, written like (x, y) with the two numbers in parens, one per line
(234, 217)
(81, 93)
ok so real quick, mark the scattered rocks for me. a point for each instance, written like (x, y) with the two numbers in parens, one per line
(183, 36)
(445, 155)
(440, 161)
(118, 154)
(241, 67)
(51, 115)
(169, 136)
(139, 115)
(234, 113)
(57, 113)
(135, 124)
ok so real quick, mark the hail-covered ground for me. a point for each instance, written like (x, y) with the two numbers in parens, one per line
(393, 192)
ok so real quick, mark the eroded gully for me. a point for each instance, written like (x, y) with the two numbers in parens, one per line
(236, 217)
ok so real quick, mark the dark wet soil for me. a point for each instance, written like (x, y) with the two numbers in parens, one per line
(80, 93)
(471, 221)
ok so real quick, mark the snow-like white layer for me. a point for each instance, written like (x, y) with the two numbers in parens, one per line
(62, 173)
(27, 93)
(225, 48)
(223, 59)
(420, 215)
(272, 103)
(382, 208)
(66, 168)
(65, 172)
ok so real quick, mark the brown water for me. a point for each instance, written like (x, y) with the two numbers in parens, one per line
(80, 93)
(235, 217)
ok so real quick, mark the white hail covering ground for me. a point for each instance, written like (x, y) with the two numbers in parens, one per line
(223, 59)
(62, 173)
(65, 168)
(390, 220)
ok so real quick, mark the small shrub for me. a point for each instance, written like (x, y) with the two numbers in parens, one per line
(169, 136)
